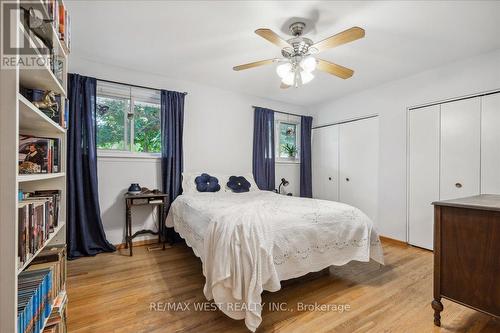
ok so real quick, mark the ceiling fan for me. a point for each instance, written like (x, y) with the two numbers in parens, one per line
(298, 61)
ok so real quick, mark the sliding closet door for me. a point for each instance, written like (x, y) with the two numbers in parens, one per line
(358, 161)
(490, 144)
(326, 162)
(460, 148)
(423, 173)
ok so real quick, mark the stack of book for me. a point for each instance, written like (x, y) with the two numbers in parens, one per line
(61, 21)
(57, 319)
(34, 300)
(38, 217)
(39, 155)
(54, 258)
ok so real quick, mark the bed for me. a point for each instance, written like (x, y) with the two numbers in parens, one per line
(249, 242)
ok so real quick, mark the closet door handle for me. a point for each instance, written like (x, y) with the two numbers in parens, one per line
(458, 185)
(347, 179)
(329, 178)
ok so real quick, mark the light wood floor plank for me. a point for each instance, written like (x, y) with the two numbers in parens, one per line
(112, 293)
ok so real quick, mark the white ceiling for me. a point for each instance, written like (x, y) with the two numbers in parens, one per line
(201, 41)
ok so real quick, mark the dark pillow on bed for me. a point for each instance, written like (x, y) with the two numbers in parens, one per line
(238, 184)
(207, 183)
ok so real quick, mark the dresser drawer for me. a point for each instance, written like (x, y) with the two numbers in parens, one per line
(470, 257)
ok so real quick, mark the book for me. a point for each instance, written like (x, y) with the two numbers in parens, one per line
(62, 20)
(54, 258)
(38, 216)
(34, 299)
(54, 253)
(23, 233)
(38, 155)
(55, 195)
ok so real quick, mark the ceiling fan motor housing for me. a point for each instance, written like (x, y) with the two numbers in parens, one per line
(299, 45)
(297, 28)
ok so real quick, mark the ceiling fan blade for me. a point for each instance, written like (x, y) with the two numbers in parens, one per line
(284, 86)
(334, 69)
(343, 37)
(254, 64)
(272, 37)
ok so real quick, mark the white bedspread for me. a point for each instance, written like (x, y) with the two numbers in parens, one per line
(248, 242)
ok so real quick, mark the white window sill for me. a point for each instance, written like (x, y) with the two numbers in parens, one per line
(283, 161)
(126, 154)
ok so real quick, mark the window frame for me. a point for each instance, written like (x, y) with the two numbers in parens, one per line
(277, 144)
(129, 129)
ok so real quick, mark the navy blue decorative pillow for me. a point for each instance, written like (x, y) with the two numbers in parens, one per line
(207, 183)
(238, 184)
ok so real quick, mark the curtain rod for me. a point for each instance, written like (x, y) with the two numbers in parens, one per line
(131, 85)
(288, 113)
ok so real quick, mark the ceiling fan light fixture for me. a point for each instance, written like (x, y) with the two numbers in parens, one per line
(308, 64)
(284, 70)
(306, 77)
(288, 79)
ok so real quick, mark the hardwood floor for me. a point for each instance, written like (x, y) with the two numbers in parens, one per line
(115, 293)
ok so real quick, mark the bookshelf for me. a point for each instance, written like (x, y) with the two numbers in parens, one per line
(32, 119)
(41, 76)
(42, 176)
(51, 237)
(18, 115)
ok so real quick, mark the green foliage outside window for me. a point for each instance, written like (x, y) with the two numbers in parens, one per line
(114, 127)
(147, 127)
(110, 119)
(288, 140)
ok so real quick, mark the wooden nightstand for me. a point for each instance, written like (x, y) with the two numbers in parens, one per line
(159, 200)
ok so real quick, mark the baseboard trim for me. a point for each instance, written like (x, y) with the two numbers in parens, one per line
(138, 243)
(393, 241)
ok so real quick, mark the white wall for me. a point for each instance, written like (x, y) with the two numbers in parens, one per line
(115, 175)
(390, 101)
(218, 131)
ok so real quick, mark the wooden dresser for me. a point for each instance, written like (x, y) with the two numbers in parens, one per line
(467, 254)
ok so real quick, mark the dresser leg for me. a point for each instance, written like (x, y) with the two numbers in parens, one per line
(438, 307)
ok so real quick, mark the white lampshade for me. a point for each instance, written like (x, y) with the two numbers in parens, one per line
(288, 78)
(284, 70)
(306, 77)
(308, 64)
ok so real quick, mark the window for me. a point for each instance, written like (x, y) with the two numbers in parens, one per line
(288, 141)
(128, 119)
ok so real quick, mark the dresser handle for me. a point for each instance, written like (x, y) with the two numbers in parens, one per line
(458, 185)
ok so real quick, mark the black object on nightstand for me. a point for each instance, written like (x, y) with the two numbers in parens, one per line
(153, 199)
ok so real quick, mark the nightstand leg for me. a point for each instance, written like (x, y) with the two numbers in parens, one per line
(438, 307)
(163, 234)
(129, 228)
(126, 224)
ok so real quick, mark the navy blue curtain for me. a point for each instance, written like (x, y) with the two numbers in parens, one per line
(84, 232)
(305, 157)
(263, 148)
(172, 122)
